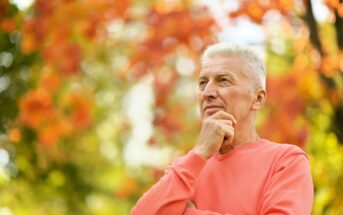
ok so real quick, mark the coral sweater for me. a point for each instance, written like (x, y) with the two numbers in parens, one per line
(256, 178)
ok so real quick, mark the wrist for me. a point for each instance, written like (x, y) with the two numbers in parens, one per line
(202, 153)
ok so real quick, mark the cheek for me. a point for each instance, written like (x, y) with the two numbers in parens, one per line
(231, 97)
(236, 101)
(200, 97)
(200, 101)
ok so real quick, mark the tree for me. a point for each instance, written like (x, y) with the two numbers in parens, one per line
(67, 67)
(73, 63)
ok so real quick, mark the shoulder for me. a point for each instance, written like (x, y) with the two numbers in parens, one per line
(283, 149)
(288, 156)
(284, 154)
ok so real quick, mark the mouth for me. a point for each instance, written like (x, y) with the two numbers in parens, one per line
(212, 108)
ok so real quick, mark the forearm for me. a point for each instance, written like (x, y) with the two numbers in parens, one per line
(171, 193)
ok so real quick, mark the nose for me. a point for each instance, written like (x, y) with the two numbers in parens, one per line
(210, 90)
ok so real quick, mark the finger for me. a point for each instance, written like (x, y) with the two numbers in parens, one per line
(226, 126)
(224, 115)
(228, 134)
(228, 122)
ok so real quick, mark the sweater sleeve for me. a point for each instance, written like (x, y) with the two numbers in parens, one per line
(171, 193)
(290, 189)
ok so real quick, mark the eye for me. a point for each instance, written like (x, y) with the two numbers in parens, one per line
(202, 84)
(224, 81)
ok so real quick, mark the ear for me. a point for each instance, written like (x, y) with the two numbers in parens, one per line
(259, 100)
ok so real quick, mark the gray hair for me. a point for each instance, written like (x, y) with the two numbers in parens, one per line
(254, 62)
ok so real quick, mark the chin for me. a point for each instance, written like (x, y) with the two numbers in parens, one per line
(208, 114)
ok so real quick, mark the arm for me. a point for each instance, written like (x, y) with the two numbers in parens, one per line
(171, 193)
(290, 189)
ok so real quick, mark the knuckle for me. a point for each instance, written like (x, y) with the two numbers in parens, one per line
(219, 131)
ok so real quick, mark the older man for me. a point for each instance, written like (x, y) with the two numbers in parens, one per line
(231, 170)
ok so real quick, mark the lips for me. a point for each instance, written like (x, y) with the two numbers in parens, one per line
(211, 107)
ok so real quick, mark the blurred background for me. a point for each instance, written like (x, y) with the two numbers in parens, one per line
(98, 96)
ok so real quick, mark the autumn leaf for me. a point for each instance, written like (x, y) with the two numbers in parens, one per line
(329, 65)
(8, 25)
(332, 3)
(35, 108)
(65, 57)
(80, 110)
(14, 135)
(50, 79)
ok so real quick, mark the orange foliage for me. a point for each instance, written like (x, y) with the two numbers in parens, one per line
(255, 12)
(301, 63)
(329, 65)
(256, 9)
(332, 3)
(49, 134)
(55, 31)
(164, 83)
(128, 187)
(288, 128)
(54, 130)
(50, 80)
(66, 57)
(253, 9)
(54, 21)
(283, 6)
(169, 120)
(28, 44)
(14, 135)
(37, 112)
(340, 10)
(80, 114)
(7, 25)
(120, 7)
(35, 108)
(164, 7)
(167, 32)
(32, 36)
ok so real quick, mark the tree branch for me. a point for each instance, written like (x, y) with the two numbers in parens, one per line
(339, 29)
(309, 17)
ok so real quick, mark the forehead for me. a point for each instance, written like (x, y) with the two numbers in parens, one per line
(234, 66)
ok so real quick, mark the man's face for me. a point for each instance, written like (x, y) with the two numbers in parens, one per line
(224, 85)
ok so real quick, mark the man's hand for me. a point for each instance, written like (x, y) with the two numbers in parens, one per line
(217, 131)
